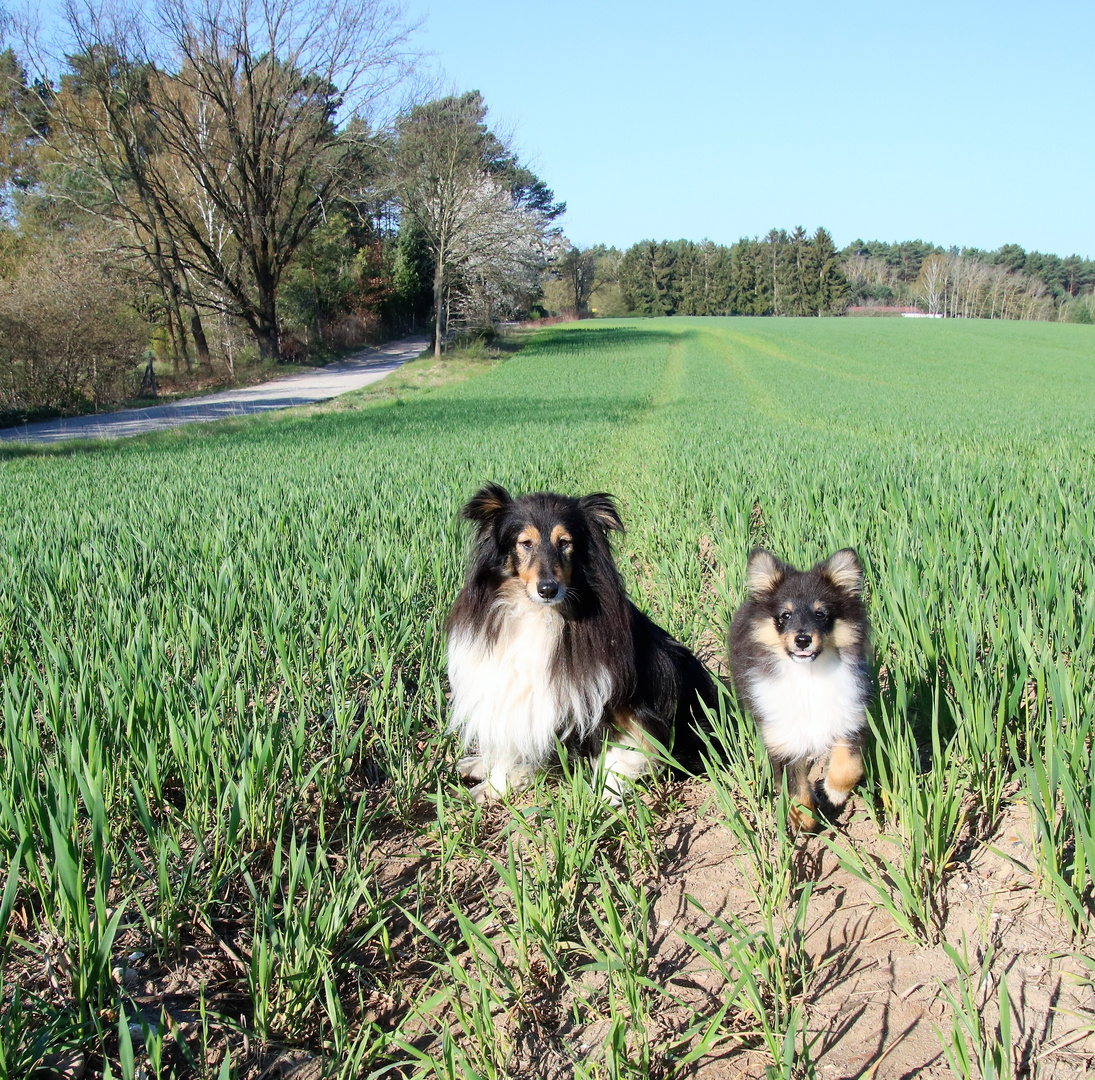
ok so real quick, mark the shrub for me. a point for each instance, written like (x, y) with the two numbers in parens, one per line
(69, 338)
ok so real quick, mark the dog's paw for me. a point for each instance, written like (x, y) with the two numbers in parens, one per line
(484, 793)
(612, 793)
(472, 768)
(801, 820)
(834, 796)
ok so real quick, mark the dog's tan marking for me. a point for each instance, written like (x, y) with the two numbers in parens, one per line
(563, 545)
(801, 814)
(765, 633)
(844, 635)
(628, 756)
(526, 568)
(845, 771)
(625, 724)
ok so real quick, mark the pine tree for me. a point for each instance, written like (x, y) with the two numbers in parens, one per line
(412, 276)
(751, 269)
(647, 278)
(832, 284)
(786, 277)
(688, 278)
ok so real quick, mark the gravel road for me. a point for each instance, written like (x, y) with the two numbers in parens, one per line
(360, 369)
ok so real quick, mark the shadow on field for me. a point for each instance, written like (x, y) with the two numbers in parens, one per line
(483, 414)
(597, 338)
(380, 418)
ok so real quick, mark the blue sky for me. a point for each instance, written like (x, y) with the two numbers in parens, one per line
(959, 123)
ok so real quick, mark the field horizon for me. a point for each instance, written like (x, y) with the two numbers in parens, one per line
(231, 833)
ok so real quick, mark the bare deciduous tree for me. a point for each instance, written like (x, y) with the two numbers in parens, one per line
(484, 217)
(577, 269)
(931, 283)
(498, 256)
(213, 118)
(68, 333)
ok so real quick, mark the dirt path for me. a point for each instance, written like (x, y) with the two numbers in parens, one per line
(364, 367)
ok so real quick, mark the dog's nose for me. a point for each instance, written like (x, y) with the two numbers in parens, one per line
(548, 589)
(803, 641)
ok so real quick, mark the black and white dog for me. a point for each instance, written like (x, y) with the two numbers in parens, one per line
(544, 645)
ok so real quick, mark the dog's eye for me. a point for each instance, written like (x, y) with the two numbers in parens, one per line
(525, 545)
(782, 619)
(822, 617)
(565, 546)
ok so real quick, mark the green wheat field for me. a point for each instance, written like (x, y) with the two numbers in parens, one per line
(232, 843)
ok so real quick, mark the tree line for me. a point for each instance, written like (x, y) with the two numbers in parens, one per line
(783, 274)
(1008, 283)
(798, 274)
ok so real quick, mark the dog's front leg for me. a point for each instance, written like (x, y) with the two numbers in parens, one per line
(801, 815)
(626, 760)
(845, 771)
(473, 768)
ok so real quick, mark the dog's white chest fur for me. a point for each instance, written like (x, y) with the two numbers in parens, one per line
(507, 701)
(804, 709)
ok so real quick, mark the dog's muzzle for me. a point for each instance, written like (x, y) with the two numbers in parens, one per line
(550, 591)
(804, 652)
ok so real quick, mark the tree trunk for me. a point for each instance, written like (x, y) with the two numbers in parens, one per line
(438, 293)
(197, 331)
(172, 336)
(267, 337)
(181, 327)
(175, 309)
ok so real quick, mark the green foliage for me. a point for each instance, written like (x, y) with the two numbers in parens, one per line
(412, 277)
(781, 275)
(324, 279)
(1061, 782)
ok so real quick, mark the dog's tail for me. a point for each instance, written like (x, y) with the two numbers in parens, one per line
(677, 690)
(698, 698)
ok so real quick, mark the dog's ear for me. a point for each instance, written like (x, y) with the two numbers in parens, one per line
(601, 509)
(843, 569)
(486, 505)
(763, 572)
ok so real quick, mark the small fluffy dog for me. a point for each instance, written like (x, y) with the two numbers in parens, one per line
(544, 645)
(799, 659)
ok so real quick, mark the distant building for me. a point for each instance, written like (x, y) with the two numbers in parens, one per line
(881, 310)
